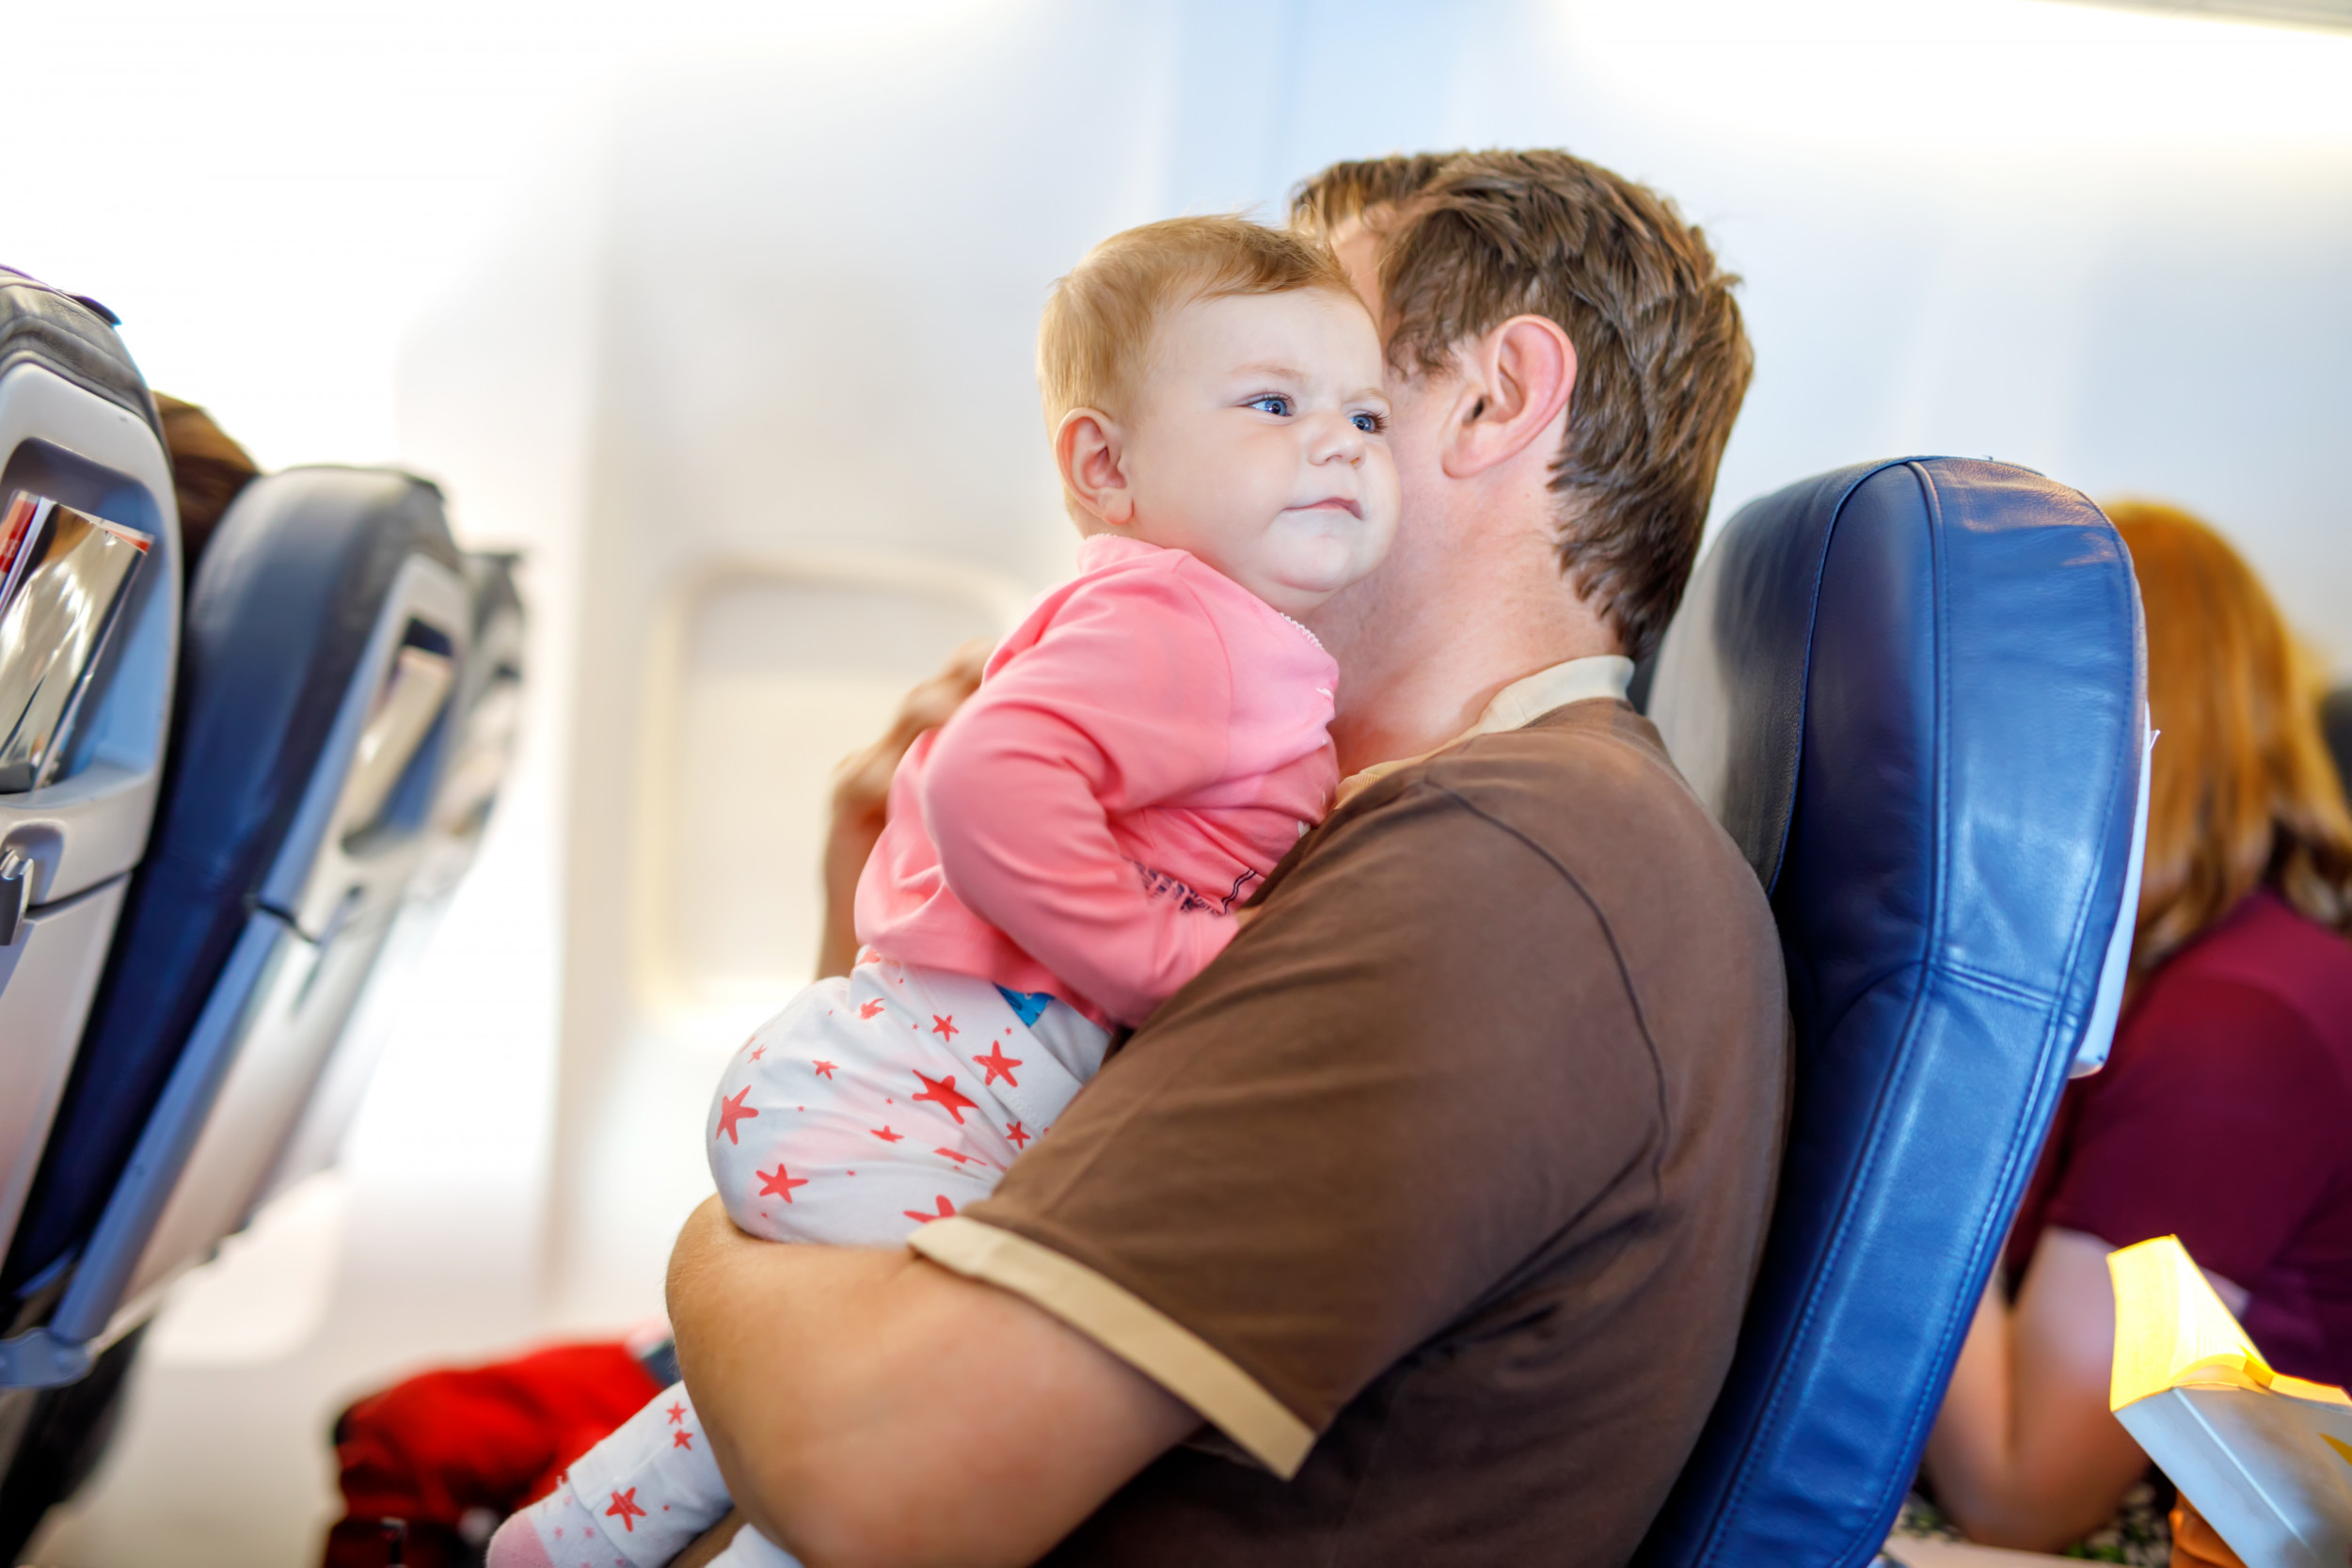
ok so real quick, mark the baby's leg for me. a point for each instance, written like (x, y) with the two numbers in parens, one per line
(873, 1103)
(885, 1098)
(640, 1497)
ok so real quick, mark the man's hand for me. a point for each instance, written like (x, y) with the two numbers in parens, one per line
(868, 1407)
(860, 795)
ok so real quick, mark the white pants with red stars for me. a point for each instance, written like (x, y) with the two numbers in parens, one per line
(875, 1102)
(888, 1098)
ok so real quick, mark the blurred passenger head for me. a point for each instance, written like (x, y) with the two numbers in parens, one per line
(2243, 794)
(1214, 386)
(207, 471)
(1467, 241)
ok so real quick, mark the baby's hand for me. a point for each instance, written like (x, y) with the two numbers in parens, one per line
(860, 795)
(861, 785)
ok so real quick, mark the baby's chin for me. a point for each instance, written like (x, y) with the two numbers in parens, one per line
(1296, 581)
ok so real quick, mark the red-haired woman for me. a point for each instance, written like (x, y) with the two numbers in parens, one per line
(2224, 1115)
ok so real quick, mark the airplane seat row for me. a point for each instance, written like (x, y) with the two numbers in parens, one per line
(338, 692)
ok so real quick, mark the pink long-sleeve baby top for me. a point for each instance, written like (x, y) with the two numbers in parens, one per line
(1142, 748)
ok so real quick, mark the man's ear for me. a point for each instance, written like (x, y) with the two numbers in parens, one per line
(1514, 388)
(1091, 452)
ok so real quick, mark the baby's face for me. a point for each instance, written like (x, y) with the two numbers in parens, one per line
(1259, 443)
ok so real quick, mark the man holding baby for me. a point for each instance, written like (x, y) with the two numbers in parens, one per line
(1418, 1228)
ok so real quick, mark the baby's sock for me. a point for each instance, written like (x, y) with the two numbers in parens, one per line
(634, 1500)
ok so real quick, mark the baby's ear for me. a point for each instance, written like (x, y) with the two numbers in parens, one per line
(1090, 448)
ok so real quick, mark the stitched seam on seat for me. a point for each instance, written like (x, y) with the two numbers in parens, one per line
(1939, 898)
(1710, 1539)
(1804, 672)
(1994, 985)
(1776, 1402)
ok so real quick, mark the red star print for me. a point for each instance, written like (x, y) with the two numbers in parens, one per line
(960, 1159)
(824, 1070)
(885, 1134)
(939, 1092)
(998, 1065)
(946, 1211)
(732, 1110)
(867, 1010)
(1019, 1134)
(676, 1414)
(944, 1027)
(625, 1504)
(778, 1182)
(760, 1052)
(682, 1439)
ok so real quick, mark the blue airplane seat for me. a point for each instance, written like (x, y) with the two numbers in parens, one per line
(321, 640)
(80, 764)
(1914, 694)
(486, 713)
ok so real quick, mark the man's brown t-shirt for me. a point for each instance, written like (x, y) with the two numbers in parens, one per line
(1441, 1190)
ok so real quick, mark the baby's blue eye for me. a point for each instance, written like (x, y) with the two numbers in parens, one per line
(1370, 424)
(1273, 403)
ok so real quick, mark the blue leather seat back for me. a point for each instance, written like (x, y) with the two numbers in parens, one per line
(1914, 692)
(278, 617)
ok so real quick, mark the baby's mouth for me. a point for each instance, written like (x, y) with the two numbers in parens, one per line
(1334, 503)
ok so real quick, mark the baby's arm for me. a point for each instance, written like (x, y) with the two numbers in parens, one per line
(1124, 702)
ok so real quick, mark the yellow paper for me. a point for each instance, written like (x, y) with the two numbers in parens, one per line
(2171, 1328)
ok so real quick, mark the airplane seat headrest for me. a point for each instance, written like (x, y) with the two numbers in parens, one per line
(71, 337)
(280, 614)
(1914, 693)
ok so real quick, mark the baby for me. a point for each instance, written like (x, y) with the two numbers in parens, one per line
(1069, 849)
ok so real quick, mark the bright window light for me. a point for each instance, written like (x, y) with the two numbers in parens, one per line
(2009, 76)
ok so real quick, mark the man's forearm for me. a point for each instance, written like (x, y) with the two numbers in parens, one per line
(868, 1407)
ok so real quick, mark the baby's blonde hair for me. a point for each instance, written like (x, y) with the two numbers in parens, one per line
(1096, 337)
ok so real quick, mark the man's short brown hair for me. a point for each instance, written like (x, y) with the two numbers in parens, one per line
(1470, 240)
(1096, 337)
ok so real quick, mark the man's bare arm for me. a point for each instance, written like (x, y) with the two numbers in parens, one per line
(868, 1407)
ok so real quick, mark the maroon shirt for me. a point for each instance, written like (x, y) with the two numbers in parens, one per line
(2225, 1116)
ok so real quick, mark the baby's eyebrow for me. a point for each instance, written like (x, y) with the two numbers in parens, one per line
(1273, 371)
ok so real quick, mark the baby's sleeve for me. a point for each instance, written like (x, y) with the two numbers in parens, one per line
(1124, 703)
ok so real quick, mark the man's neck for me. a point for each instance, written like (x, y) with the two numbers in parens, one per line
(1422, 649)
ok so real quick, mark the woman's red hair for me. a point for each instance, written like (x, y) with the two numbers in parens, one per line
(2243, 794)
